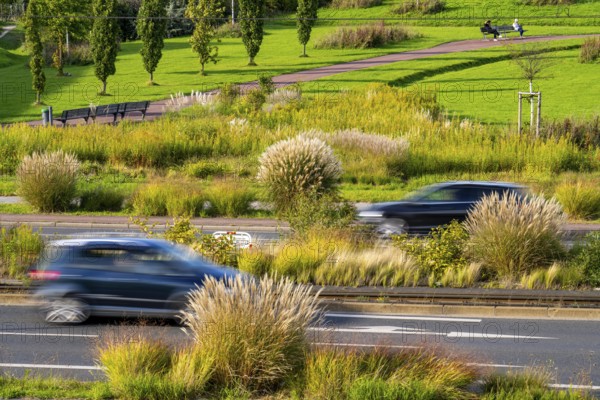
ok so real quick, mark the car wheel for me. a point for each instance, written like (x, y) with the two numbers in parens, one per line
(390, 227)
(67, 310)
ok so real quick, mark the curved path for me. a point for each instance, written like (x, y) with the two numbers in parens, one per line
(6, 29)
(157, 108)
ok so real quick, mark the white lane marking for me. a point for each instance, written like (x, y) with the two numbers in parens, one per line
(473, 335)
(569, 386)
(496, 365)
(47, 334)
(378, 329)
(401, 317)
(366, 345)
(51, 366)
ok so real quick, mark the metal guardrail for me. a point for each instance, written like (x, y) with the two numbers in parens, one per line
(426, 295)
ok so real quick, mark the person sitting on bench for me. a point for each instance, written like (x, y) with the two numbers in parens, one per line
(518, 27)
(488, 28)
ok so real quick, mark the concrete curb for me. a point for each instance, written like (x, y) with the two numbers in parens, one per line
(555, 313)
(544, 312)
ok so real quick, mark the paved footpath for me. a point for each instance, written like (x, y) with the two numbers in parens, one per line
(157, 108)
(6, 29)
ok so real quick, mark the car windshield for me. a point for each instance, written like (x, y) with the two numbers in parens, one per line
(421, 193)
(184, 253)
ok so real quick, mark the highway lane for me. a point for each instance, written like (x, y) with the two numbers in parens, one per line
(571, 349)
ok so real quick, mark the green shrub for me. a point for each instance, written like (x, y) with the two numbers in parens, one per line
(160, 199)
(204, 169)
(547, 2)
(230, 198)
(587, 259)
(20, 248)
(255, 261)
(189, 374)
(364, 37)
(252, 101)
(355, 3)
(136, 369)
(266, 84)
(590, 50)
(420, 6)
(585, 133)
(101, 199)
(298, 166)
(330, 374)
(229, 30)
(580, 200)
(512, 236)
(313, 211)
(48, 181)
(443, 249)
(229, 93)
(372, 267)
(255, 331)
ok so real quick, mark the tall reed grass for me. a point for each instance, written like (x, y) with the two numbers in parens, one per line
(364, 37)
(255, 331)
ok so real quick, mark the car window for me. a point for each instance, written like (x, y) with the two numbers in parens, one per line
(445, 194)
(156, 262)
(106, 258)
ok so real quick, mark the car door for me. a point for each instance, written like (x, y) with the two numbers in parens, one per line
(442, 206)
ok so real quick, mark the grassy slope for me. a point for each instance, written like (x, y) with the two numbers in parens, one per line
(487, 92)
(178, 70)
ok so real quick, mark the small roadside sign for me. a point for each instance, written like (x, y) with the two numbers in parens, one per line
(241, 240)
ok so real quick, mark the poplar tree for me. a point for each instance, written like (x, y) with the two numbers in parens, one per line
(103, 40)
(250, 17)
(307, 16)
(152, 27)
(36, 50)
(204, 14)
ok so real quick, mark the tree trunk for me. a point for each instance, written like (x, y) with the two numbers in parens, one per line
(151, 77)
(202, 70)
(304, 50)
(38, 97)
(251, 61)
(103, 87)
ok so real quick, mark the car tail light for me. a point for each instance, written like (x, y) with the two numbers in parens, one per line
(44, 275)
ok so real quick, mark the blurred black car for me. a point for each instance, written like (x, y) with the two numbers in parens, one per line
(432, 206)
(119, 277)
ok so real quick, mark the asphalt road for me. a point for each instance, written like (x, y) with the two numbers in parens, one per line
(570, 349)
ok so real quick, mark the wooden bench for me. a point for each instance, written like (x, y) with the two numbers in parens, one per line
(110, 109)
(503, 30)
(137, 106)
(78, 113)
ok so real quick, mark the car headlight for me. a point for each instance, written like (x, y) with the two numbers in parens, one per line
(370, 214)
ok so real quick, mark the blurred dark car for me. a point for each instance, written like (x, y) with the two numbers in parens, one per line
(119, 277)
(432, 206)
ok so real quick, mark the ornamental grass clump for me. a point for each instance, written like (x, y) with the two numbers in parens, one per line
(48, 181)
(579, 199)
(512, 236)
(254, 330)
(364, 37)
(298, 166)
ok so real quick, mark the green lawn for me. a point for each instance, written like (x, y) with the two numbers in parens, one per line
(483, 84)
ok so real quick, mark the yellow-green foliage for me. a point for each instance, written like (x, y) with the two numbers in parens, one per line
(340, 374)
(159, 199)
(579, 199)
(48, 180)
(255, 261)
(20, 247)
(364, 36)
(369, 267)
(444, 248)
(255, 331)
(461, 276)
(512, 236)
(229, 198)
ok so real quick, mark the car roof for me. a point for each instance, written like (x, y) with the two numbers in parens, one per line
(144, 242)
(481, 183)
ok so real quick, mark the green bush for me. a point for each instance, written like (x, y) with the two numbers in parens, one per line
(580, 200)
(229, 30)
(48, 181)
(266, 84)
(20, 248)
(160, 199)
(531, 384)
(513, 236)
(443, 249)
(252, 101)
(205, 169)
(355, 3)
(587, 259)
(229, 198)
(101, 199)
(136, 369)
(313, 211)
(364, 37)
(298, 166)
(255, 261)
(421, 6)
(590, 50)
(255, 331)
